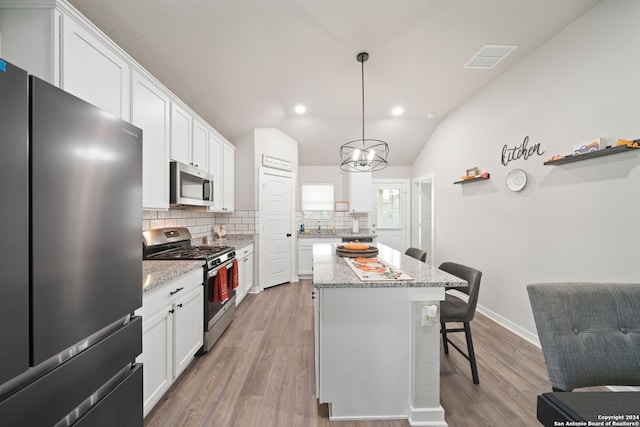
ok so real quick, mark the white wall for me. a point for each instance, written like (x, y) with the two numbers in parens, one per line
(576, 222)
(249, 150)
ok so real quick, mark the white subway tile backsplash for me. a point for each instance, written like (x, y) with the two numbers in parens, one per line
(156, 223)
(201, 223)
(149, 214)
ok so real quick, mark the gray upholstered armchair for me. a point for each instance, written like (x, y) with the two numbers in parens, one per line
(589, 332)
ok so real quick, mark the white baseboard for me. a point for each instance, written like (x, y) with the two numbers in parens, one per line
(502, 321)
(509, 325)
(427, 417)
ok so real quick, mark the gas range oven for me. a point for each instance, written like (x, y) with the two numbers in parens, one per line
(220, 274)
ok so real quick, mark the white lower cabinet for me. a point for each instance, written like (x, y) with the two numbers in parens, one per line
(305, 256)
(245, 271)
(188, 326)
(172, 333)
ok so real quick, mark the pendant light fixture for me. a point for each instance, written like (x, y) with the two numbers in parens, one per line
(364, 155)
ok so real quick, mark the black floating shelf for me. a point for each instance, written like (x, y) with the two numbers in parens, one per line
(466, 181)
(600, 153)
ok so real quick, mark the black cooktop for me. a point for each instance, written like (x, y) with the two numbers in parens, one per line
(191, 252)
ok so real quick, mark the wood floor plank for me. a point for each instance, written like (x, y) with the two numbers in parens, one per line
(261, 373)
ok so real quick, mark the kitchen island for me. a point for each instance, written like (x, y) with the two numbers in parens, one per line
(376, 356)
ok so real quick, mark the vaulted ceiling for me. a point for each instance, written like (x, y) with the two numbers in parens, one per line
(245, 64)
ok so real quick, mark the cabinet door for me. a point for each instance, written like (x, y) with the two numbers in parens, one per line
(199, 148)
(93, 72)
(215, 169)
(305, 262)
(228, 159)
(248, 273)
(157, 356)
(360, 191)
(150, 111)
(180, 134)
(316, 336)
(245, 274)
(188, 327)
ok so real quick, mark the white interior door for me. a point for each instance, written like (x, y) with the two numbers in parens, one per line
(275, 227)
(390, 212)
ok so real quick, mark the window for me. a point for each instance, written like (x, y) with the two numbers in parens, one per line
(317, 201)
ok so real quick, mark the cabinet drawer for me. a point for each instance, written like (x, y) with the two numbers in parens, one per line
(154, 300)
(245, 251)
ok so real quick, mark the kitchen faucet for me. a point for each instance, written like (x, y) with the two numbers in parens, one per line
(318, 226)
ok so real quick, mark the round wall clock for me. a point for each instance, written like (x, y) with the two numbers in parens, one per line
(516, 180)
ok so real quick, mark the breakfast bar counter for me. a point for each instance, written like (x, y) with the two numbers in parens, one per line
(377, 355)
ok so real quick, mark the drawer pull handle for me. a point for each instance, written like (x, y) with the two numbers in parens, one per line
(176, 291)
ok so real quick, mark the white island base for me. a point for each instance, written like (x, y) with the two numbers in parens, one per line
(375, 359)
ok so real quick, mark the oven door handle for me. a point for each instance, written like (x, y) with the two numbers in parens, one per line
(214, 272)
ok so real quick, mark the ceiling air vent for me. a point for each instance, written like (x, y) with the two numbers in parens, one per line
(490, 55)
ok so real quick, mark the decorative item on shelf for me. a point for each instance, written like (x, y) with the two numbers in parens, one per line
(589, 147)
(622, 145)
(516, 180)
(472, 175)
(363, 155)
(628, 143)
(556, 157)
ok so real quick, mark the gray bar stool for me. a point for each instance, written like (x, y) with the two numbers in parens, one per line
(454, 309)
(417, 253)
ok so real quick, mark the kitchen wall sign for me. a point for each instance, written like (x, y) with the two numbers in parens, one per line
(276, 163)
(522, 150)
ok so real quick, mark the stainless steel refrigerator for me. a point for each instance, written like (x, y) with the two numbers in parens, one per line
(70, 259)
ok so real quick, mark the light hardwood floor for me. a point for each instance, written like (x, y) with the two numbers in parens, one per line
(261, 373)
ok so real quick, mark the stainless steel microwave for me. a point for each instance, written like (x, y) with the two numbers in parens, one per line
(189, 185)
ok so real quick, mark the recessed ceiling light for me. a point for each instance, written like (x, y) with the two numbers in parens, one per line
(300, 109)
(431, 116)
(397, 111)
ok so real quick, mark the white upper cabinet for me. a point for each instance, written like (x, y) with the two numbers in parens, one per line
(200, 145)
(180, 134)
(150, 111)
(360, 191)
(215, 169)
(189, 138)
(222, 167)
(92, 71)
(53, 41)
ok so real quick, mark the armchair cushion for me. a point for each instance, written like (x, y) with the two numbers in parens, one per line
(589, 332)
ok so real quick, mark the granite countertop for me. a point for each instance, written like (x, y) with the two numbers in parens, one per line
(325, 233)
(238, 241)
(157, 273)
(331, 271)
